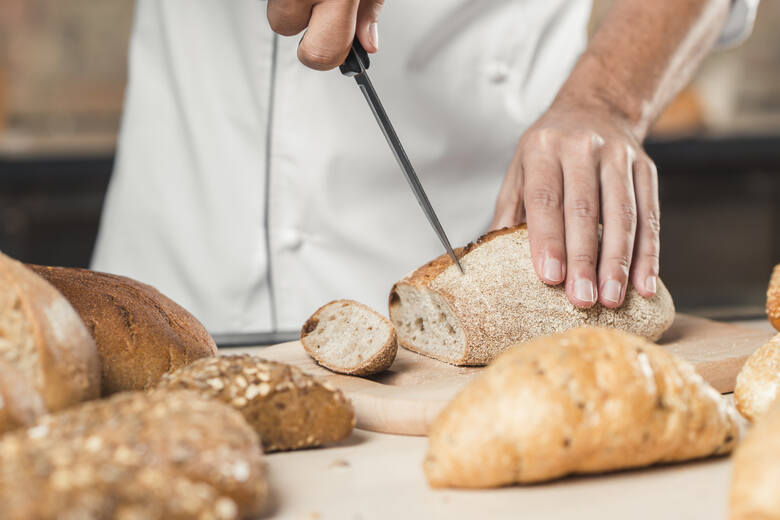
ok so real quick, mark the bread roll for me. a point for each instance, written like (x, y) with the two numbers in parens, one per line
(287, 408)
(759, 380)
(468, 319)
(755, 480)
(165, 455)
(44, 347)
(140, 334)
(585, 401)
(350, 338)
(773, 298)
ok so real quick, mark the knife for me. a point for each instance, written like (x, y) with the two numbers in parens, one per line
(356, 65)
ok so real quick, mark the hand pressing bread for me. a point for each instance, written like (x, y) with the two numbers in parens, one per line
(287, 408)
(585, 401)
(350, 338)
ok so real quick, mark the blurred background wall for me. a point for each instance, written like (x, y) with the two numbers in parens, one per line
(62, 76)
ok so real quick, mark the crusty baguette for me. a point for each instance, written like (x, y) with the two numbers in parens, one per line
(755, 479)
(469, 319)
(287, 408)
(583, 401)
(45, 343)
(759, 380)
(164, 455)
(140, 333)
(773, 298)
(348, 337)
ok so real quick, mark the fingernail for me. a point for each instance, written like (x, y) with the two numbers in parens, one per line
(583, 290)
(611, 291)
(552, 270)
(650, 284)
(373, 34)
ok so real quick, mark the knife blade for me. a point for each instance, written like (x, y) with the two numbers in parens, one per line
(356, 65)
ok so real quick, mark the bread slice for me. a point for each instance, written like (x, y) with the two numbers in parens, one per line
(758, 383)
(468, 319)
(350, 338)
(43, 340)
(584, 401)
(140, 333)
(287, 408)
(773, 298)
(755, 480)
(156, 456)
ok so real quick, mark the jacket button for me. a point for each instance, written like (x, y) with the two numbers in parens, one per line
(497, 72)
(290, 239)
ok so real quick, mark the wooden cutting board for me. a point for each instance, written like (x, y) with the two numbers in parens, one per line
(406, 398)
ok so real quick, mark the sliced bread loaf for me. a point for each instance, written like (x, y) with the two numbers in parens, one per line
(350, 338)
(468, 319)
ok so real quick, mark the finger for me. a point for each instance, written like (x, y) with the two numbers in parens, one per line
(326, 42)
(581, 213)
(289, 17)
(509, 204)
(644, 271)
(367, 24)
(618, 206)
(543, 198)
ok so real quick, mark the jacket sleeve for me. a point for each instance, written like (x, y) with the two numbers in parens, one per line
(739, 24)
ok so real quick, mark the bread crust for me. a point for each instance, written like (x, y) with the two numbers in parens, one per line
(490, 329)
(585, 401)
(287, 408)
(140, 333)
(20, 403)
(773, 298)
(379, 362)
(758, 383)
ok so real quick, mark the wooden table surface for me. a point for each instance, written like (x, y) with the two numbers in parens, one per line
(379, 476)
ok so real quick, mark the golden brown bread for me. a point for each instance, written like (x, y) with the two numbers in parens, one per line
(758, 383)
(584, 401)
(164, 455)
(140, 333)
(287, 408)
(45, 344)
(773, 298)
(755, 479)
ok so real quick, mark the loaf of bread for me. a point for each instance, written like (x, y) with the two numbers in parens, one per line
(755, 479)
(140, 333)
(584, 401)
(164, 455)
(468, 319)
(759, 380)
(49, 361)
(287, 408)
(350, 338)
(773, 298)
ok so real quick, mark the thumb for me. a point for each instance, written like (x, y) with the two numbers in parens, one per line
(366, 29)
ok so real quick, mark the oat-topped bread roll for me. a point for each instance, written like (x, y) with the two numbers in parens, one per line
(46, 346)
(287, 408)
(755, 479)
(469, 319)
(584, 401)
(164, 455)
(758, 383)
(140, 333)
(350, 338)
(773, 298)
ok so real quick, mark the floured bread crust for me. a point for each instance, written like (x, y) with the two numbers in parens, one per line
(758, 383)
(773, 298)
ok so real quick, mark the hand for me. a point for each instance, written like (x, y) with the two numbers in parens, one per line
(330, 27)
(575, 164)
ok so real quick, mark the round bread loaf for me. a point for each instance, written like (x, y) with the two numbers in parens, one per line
(773, 298)
(287, 408)
(348, 337)
(49, 359)
(140, 333)
(158, 456)
(758, 383)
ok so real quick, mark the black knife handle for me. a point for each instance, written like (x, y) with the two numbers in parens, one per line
(351, 66)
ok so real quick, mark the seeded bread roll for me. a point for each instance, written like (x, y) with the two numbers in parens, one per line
(468, 319)
(759, 380)
(140, 333)
(773, 298)
(755, 479)
(350, 338)
(585, 401)
(165, 455)
(287, 408)
(45, 349)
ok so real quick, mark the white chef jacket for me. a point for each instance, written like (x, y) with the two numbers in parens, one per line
(252, 190)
